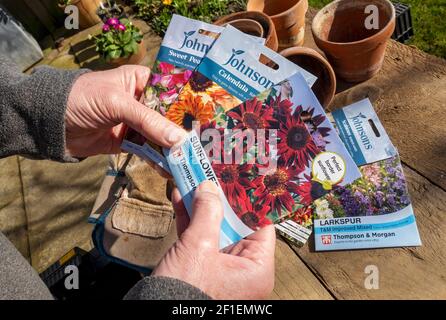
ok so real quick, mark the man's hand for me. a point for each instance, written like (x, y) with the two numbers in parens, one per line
(242, 271)
(99, 105)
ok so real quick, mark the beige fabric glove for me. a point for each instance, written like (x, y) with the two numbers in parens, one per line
(139, 228)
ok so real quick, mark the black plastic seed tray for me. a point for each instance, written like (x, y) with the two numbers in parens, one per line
(404, 28)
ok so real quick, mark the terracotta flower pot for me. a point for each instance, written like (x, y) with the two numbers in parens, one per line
(87, 12)
(325, 86)
(355, 52)
(135, 58)
(288, 17)
(269, 31)
(247, 26)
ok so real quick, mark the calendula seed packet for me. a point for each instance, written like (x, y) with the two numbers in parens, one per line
(258, 152)
(185, 44)
(374, 211)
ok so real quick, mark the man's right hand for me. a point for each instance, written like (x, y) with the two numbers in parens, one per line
(242, 271)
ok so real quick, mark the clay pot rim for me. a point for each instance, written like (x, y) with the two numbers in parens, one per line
(376, 35)
(288, 52)
(247, 20)
(283, 13)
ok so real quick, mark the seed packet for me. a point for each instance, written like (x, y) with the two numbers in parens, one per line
(372, 212)
(185, 43)
(259, 153)
(298, 225)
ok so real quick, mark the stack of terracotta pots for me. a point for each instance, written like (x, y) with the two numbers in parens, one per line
(253, 23)
(354, 35)
(288, 17)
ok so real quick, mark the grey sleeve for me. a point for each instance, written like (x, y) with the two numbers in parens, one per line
(32, 111)
(163, 288)
(18, 280)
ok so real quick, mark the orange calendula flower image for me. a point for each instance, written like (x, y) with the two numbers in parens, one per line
(190, 108)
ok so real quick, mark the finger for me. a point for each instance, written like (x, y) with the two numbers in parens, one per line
(181, 216)
(135, 78)
(149, 123)
(266, 237)
(204, 227)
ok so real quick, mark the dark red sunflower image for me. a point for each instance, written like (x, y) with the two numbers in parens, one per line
(313, 123)
(310, 191)
(252, 114)
(282, 108)
(234, 180)
(253, 215)
(199, 83)
(277, 188)
(295, 147)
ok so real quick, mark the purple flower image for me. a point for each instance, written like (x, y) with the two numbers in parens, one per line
(381, 190)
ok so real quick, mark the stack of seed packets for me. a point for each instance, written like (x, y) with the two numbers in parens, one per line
(372, 212)
(250, 139)
(185, 44)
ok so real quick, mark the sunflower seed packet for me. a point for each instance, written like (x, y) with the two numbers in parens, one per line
(259, 153)
(374, 211)
(298, 225)
(185, 44)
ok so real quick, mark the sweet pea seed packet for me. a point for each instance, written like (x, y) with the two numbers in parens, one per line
(185, 44)
(258, 152)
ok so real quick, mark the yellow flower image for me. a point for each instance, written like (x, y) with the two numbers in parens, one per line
(167, 2)
(190, 108)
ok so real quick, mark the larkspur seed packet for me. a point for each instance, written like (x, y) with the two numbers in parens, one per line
(298, 225)
(185, 44)
(374, 211)
(258, 152)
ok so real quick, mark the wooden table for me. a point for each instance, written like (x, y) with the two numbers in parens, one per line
(409, 95)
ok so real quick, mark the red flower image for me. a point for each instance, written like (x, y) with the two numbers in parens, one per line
(254, 216)
(252, 115)
(282, 108)
(275, 190)
(309, 191)
(296, 147)
(302, 215)
(234, 179)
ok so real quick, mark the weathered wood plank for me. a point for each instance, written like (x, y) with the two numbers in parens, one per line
(405, 273)
(409, 95)
(293, 279)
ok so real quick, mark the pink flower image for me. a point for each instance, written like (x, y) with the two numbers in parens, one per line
(105, 28)
(156, 78)
(168, 97)
(166, 68)
(166, 81)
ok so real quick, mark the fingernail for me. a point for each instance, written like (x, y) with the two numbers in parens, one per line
(176, 136)
(209, 187)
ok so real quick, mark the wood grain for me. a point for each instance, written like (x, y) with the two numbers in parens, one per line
(405, 273)
(293, 279)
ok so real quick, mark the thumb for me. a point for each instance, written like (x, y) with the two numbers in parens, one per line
(207, 215)
(149, 123)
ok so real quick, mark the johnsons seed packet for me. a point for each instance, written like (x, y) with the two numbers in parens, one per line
(372, 212)
(185, 44)
(255, 151)
(309, 116)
